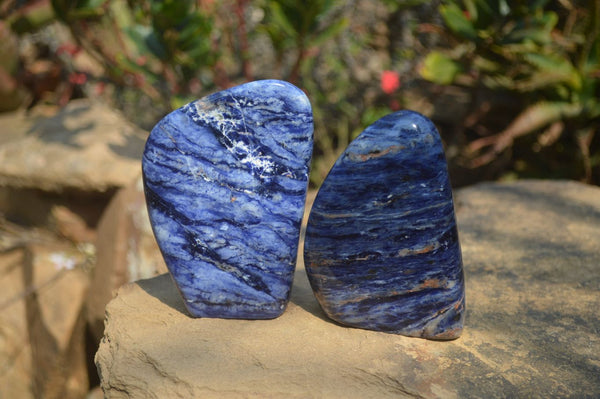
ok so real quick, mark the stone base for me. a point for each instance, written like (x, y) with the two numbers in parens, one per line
(531, 254)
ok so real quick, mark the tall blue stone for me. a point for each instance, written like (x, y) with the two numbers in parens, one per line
(381, 249)
(225, 179)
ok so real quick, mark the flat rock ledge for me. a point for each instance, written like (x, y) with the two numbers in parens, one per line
(531, 253)
(85, 146)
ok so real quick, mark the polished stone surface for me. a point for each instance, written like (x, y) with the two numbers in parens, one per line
(225, 181)
(382, 249)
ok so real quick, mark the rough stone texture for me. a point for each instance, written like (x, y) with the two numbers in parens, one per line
(531, 254)
(85, 146)
(71, 226)
(34, 207)
(42, 348)
(15, 351)
(125, 251)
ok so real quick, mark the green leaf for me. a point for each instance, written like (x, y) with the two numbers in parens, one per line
(87, 9)
(482, 13)
(549, 62)
(280, 19)
(394, 5)
(439, 68)
(553, 69)
(31, 18)
(331, 31)
(458, 23)
(545, 81)
(146, 41)
(538, 30)
(486, 65)
(472, 9)
(137, 34)
(498, 82)
(124, 64)
(156, 46)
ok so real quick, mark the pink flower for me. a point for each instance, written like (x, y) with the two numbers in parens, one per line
(390, 81)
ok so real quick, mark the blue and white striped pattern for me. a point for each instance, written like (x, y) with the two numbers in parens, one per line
(381, 247)
(225, 180)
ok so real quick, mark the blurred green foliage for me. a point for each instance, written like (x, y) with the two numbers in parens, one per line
(546, 53)
(542, 55)
(156, 46)
(174, 32)
(300, 26)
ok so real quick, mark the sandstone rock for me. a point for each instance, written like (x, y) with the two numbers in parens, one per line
(531, 254)
(15, 352)
(125, 251)
(56, 324)
(71, 226)
(95, 393)
(42, 289)
(85, 146)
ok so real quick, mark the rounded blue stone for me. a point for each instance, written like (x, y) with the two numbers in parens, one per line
(225, 179)
(381, 249)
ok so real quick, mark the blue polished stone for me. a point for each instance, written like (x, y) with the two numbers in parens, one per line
(381, 249)
(225, 179)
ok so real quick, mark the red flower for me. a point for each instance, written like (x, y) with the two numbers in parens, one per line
(141, 60)
(77, 78)
(68, 48)
(390, 81)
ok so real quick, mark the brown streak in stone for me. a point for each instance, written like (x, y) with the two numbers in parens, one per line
(432, 283)
(375, 154)
(447, 335)
(429, 283)
(424, 250)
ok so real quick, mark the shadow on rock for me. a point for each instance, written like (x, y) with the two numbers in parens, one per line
(163, 288)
